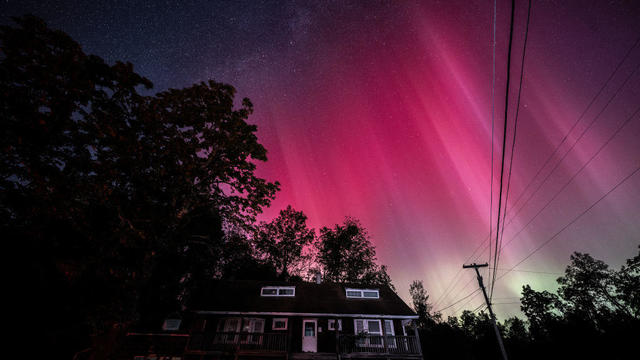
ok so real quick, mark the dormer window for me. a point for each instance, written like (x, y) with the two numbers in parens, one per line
(278, 291)
(362, 293)
(171, 324)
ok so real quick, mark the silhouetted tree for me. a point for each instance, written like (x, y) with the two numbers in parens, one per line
(110, 195)
(282, 240)
(516, 337)
(540, 310)
(627, 282)
(346, 255)
(515, 329)
(592, 317)
(588, 289)
(421, 305)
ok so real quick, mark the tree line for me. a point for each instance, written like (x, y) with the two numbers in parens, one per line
(118, 205)
(595, 314)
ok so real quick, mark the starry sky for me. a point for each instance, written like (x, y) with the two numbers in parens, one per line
(381, 110)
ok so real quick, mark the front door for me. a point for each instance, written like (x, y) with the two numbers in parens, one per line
(309, 335)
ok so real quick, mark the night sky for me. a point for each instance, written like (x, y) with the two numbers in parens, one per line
(381, 110)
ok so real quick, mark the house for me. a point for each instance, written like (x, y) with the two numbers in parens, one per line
(264, 319)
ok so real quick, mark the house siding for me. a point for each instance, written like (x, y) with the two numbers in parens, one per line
(312, 301)
(326, 337)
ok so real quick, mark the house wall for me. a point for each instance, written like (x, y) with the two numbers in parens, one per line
(326, 337)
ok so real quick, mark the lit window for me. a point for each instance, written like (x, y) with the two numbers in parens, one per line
(363, 293)
(278, 291)
(279, 324)
(332, 325)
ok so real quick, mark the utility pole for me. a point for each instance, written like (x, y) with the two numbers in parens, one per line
(493, 317)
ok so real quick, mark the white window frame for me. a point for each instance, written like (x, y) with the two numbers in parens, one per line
(361, 292)
(331, 325)
(171, 324)
(277, 289)
(286, 323)
(393, 330)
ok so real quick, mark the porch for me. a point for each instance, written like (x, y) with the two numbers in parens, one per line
(238, 343)
(279, 345)
(376, 346)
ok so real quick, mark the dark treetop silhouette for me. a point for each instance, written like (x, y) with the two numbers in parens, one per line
(595, 315)
(104, 190)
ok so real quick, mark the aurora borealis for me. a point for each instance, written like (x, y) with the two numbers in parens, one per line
(382, 111)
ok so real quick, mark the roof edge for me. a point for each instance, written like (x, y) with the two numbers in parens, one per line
(211, 312)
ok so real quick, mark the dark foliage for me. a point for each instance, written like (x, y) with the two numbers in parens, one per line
(595, 315)
(119, 206)
(346, 255)
(114, 200)
(282, 241)
(420, 301)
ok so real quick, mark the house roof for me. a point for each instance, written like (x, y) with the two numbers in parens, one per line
(243, 296)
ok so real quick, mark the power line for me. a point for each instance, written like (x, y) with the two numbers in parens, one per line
(513, 144)
(576, 174)
(454, 281)
(584, 112)
(450, 287)
(479, 307)
(566, 136)
(493, 107)
(456, 278)
(507, 298)
(504, 133)
(466, 285)
(458, 301)
(574, 220)
(506, 303)
(463, 306)
(533, 272)
(570, 180)
(611, 137)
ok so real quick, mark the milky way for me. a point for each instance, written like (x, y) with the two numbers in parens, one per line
(382, 111)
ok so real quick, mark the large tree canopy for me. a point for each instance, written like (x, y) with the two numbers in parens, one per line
(102, 189)
(346, 254)
(283, 240)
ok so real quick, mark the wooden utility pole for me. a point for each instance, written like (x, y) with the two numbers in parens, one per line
(493, 317)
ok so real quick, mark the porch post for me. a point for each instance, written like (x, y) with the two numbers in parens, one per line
(415, 332)
(384, 336)
(288, 344)
(336, 326)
